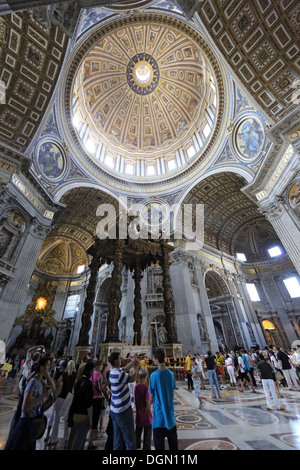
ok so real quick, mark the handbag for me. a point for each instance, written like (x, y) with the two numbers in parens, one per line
(38, 426)
(48, 403)
(66, 406)
(278, 376)
(58, 390)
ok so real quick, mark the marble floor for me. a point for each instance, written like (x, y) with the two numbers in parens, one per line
(237, 421)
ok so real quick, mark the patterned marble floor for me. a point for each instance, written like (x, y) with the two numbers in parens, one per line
(237, 421)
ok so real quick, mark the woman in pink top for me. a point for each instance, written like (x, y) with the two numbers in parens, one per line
(143, 411)
(97, 403)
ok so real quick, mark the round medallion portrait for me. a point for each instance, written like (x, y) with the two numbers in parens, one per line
(249, 138)
(50, 160)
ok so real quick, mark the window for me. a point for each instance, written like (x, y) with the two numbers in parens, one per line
(206, 130)
(109, 161)
(293, 287)
(275, 251)
(171, 164)
(253, 292)
(80, 269)
(71, 306)
(241, 257)
(150, 170)
(129, 169)
(76, 121)
(191, 151)
(90, 146)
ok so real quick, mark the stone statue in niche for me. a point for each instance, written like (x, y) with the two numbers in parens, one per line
(12, 225)
(4, 241)
(294, 197)
(202, 328)
(16, 219)
(162, 334)
(192, 273)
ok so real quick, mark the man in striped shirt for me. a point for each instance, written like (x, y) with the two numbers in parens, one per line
(120, 406)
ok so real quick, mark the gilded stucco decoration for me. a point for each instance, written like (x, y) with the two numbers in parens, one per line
(61, 257)
(129, 115)
(129, 134)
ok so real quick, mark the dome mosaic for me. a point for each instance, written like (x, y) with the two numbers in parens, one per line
(144, 100)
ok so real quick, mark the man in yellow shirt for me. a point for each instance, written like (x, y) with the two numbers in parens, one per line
(221, 370)
(6, 368)
(189, 370)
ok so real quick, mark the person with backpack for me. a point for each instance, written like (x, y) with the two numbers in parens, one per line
(243, 372)
(249, 365)
(23, 436)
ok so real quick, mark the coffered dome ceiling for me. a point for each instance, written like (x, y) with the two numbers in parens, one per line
(142, 88)
(144, 97)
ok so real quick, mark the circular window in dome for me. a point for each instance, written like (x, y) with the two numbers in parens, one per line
(142, 74)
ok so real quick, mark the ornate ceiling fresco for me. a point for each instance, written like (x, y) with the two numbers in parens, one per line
(232, 222)
(142, 89)
(143, 97)
(61, 257)
(260, 41)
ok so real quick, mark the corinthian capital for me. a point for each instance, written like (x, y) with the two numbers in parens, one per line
(274, 210)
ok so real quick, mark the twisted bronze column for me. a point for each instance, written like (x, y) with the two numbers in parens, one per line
(168, 295)
(90, 295)
(115, 294)
(137, 314)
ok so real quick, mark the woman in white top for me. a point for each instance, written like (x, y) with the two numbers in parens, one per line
(198, 362)
(231, 370)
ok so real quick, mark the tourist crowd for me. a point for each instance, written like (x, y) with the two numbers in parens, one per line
(80, 394)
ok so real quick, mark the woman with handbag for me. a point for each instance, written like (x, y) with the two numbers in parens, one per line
(64, 385)
(32, 423)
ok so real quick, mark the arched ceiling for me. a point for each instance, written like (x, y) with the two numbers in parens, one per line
(232, 222)
(215, 285)
(31, 57)
(79, 219)
(73, 233)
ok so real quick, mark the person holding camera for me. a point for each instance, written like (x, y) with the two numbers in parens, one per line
(120, 406)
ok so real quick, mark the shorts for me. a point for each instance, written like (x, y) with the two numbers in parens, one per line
(244, 375)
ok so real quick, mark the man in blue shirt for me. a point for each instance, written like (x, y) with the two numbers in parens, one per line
(161, 388)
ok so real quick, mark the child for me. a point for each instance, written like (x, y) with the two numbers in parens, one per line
(196, 374)
(143, 412)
